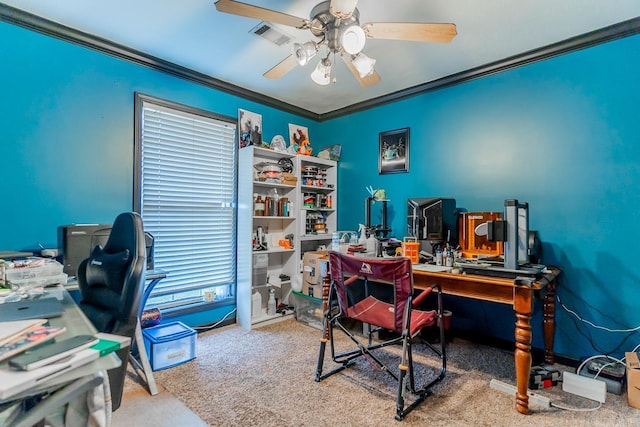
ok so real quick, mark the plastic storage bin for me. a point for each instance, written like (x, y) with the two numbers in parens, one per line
(308, 309)
(35, 269)
(34, 282)
(35, 272)
(169, 345)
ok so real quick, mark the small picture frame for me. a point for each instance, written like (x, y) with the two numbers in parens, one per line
(299, 140)
(393, 151)
(249, 128)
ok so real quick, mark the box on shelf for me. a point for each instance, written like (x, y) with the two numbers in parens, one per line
(169, 345)
(314, 266)
(289, 178)
(308, 310)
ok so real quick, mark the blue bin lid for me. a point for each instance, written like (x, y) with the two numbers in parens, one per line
(168, 332)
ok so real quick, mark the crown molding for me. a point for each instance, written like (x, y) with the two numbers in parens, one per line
(53, 29)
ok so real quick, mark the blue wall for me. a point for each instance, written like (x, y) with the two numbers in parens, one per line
(67, 132)
(560, 134)
(66, 125)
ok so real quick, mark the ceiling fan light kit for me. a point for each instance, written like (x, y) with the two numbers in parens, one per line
(337, 26)
(304, 52)
(363, 64)
(353, 40)
(322, 74)
(342, 9)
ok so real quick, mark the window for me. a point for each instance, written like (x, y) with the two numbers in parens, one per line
(185, 191)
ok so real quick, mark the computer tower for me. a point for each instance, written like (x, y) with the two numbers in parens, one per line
(432, 220)
(76, 241)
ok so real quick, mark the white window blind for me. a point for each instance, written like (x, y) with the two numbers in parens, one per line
(188, 199)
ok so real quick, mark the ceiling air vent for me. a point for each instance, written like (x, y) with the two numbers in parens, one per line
(271, 33)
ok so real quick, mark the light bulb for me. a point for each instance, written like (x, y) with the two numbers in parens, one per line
(322, 74)
(353, 40)
(363, 64)
(304, 52)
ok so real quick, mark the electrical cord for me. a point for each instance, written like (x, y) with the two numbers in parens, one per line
(588, 359)
(576, 318)
(209, 327)
(568, 408)
(568, 310)
(578, 321)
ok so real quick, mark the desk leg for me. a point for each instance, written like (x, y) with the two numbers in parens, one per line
(144, 361)
(549, 322)
(523, 307)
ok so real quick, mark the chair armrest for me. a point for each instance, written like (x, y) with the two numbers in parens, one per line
(421, 297)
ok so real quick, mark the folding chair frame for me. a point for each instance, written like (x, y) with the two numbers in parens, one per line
(333, 319)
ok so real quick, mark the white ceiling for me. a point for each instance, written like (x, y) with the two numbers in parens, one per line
(192, 34)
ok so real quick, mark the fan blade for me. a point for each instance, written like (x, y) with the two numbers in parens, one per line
(257, 12)
(282, 68)
(416, 31)
(342, 9)
(369, 80)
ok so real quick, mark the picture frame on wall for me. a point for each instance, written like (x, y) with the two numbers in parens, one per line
(393, 151)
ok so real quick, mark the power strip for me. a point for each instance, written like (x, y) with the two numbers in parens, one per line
(585, 387)
(613, 386)
(534, 397)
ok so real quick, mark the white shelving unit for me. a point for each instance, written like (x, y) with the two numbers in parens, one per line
(325, 206)
(280, 261)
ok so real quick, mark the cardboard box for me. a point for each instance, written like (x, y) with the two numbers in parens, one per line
(633, 379)
(315, 266)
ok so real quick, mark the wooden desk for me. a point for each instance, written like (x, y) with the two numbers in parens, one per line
(504, 291)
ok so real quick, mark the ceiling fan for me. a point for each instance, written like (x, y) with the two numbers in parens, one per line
(336, 26)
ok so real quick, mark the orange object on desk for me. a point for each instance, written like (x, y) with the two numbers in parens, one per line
(410, 249)
(473, 245)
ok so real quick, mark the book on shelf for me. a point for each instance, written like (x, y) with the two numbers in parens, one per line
(31, 338)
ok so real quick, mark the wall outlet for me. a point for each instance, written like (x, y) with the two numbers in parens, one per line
(585, 387)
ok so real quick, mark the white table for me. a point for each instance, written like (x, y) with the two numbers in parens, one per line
(61, 389)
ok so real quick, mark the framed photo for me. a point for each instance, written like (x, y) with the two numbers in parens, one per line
(299, 139)
(393, 151)
(249, 128)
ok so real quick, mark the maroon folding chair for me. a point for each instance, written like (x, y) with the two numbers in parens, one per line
(379, 293)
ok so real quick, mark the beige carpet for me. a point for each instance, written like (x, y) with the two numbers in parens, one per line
(265, 377)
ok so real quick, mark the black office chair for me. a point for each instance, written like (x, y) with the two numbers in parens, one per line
(111, 284)
(358, 293)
